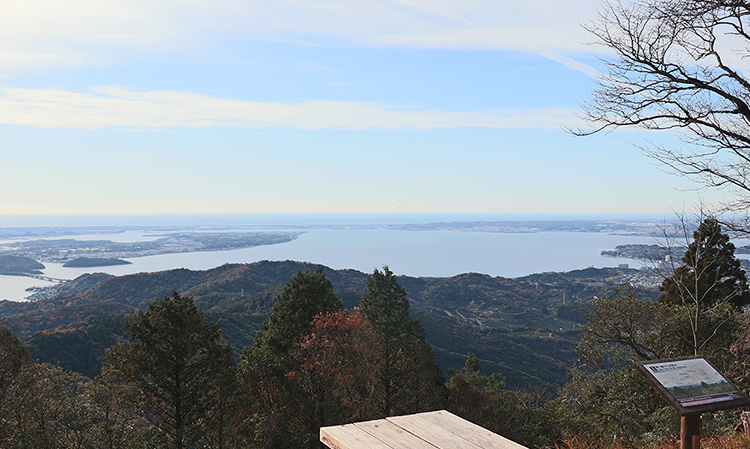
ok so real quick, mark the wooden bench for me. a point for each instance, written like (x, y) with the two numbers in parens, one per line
(430, 430)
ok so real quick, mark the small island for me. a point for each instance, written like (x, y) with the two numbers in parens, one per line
(86, 262)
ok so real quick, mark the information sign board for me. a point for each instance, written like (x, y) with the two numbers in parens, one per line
(692, 385)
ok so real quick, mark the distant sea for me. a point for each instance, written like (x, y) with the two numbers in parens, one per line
(406, 252)
(294, 219)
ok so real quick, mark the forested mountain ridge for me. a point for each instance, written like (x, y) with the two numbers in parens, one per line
(524, 328)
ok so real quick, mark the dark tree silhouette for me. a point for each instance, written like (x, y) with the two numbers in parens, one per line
(410, 380)
(709, 274)
(704, 295)
(14, 360)
(179, 364)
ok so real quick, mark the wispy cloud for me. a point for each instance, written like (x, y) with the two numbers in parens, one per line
(114, 106)
(572, 64)
(34, 32)
(107, 153)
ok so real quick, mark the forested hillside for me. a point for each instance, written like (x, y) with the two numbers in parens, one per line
(524, 328)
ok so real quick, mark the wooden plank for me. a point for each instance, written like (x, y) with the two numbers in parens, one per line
(393, 435)
(469, 431)
(349, 437)
(431, 430)
(439, 436)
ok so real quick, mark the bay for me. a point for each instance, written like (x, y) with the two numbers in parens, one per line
(406, 252)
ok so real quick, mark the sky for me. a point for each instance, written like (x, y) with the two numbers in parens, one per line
(302, 106)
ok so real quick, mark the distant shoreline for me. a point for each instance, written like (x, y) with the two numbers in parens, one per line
(89, 262)
(302, 219)
(627, 227)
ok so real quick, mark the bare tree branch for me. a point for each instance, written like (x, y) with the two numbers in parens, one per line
(677, 68)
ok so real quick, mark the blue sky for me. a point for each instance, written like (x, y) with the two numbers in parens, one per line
(297, 106)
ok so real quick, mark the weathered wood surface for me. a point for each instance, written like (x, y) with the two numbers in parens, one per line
(430, 430)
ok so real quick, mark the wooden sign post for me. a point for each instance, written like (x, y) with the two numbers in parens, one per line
(692, 386)
(690, 431)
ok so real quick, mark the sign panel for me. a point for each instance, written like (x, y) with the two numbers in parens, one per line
(692, 385)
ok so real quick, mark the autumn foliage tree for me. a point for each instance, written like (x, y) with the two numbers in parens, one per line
(333, 370)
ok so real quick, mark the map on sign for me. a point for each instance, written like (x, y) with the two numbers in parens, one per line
(692, 384)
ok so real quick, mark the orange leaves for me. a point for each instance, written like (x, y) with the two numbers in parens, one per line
(334, 363)
(339, 344)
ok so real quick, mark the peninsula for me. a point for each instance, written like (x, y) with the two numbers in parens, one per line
(67, 250)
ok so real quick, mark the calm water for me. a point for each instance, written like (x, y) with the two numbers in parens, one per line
(412, 253)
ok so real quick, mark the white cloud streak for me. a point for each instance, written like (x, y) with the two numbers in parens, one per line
(106, 153)
(114, 106)
(40, 32)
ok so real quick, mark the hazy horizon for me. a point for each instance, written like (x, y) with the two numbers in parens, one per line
(291, 219)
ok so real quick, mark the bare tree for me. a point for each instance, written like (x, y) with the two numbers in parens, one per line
(678, 66)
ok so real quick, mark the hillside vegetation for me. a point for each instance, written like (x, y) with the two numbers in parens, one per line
(524, 328)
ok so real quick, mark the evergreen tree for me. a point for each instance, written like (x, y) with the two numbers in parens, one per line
(701, 300)
(179, 364)
(710, 273)
(472, 395)
(409, 379)
(268, 365)
(307, 294)
(481, 399)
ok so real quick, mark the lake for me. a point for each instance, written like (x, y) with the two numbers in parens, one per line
(412, 253)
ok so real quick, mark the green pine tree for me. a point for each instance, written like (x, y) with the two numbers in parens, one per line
(409, 378)
(710, 273)
(179, 364)
(306, 295)
(702, 299)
